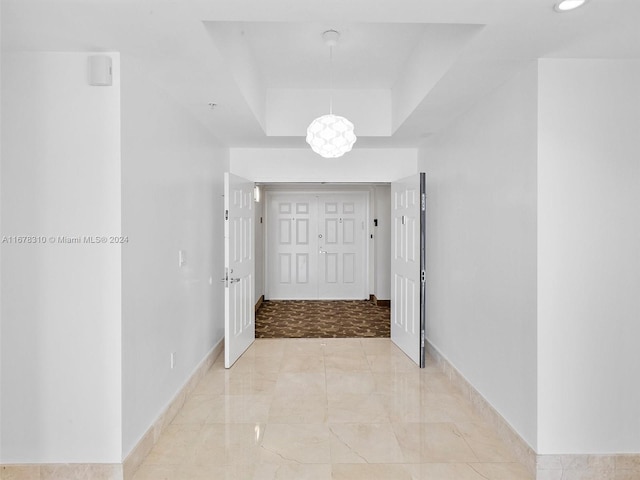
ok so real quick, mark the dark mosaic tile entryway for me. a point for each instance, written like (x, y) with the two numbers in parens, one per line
(322, 319)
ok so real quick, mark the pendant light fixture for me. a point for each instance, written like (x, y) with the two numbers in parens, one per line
(331, 136)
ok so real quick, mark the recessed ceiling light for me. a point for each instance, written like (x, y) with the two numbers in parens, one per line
(566, 5)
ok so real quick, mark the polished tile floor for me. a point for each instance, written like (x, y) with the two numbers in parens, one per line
(316, 409)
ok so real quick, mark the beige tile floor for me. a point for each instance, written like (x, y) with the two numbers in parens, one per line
(316, 409)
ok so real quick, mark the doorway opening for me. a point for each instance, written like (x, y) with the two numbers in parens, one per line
(408, 201)
(323, 259)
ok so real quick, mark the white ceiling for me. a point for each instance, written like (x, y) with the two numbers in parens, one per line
(294, 55)
(233, 52)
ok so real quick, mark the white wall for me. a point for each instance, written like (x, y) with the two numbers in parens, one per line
(60, 346)
(172, 174)
(589, 257)
(303, 165)
(239, 60)
(481, 248)
(382, 241)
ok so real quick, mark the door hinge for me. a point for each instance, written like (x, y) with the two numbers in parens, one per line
(424, 202)
(226, 214)
(423, 276)
(422, 338)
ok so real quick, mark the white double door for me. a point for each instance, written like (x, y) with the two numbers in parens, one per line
(316, 245)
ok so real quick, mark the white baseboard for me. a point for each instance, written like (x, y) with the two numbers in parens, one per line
(541, 467)
(116, 471)
(56, 471)
(521, 449)
(150, 438)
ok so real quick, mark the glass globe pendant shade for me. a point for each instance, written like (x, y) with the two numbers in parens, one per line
(331, 136)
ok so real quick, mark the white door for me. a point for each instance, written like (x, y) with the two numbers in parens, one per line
(292, 244)
(316, 245)
(341, 236)
(408, 288)
(239, 262)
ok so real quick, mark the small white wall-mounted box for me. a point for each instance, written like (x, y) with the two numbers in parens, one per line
(100, 71)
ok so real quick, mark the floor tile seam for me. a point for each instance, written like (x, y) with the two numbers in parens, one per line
(326, 386)
(375, 463)
(481, 424)
(340, 397)
(193, 395)
(333, 434)
(385, 422)
(165, 465)
(402, 450)
(179, 424)
(464, 438)
(426, 423)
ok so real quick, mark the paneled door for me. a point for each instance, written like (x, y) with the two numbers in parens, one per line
(292, 246)
(408, 264)
(341, 231)
(316, 245)
(239, 263)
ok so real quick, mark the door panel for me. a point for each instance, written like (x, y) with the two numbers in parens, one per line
(330, 267)
(349, 267)
(408, 289)
(302, 268)
(239, 264)
(331, 231)
(291, 246)
(316, 245)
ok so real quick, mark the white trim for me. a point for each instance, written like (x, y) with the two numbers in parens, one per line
(138, 453)
(523, 452)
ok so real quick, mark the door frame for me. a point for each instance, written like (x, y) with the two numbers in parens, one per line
(297, 188)
(369, 246)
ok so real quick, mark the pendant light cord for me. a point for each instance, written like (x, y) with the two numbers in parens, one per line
(330, 80)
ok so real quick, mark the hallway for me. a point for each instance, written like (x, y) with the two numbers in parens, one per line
(320, 409)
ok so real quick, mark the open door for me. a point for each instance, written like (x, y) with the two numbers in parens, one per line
(408, 263)
(239, 263)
